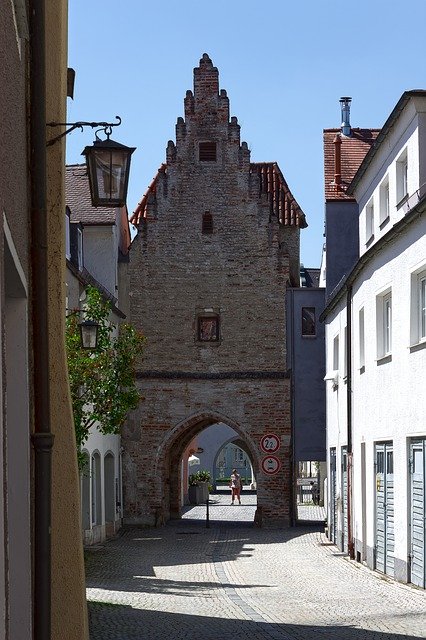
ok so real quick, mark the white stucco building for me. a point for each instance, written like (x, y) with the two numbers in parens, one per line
(97, 255)
(376, 358)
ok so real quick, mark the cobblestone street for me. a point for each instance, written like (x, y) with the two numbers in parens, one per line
(233, 580)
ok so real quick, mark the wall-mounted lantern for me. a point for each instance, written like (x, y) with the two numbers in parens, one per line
(89, 334)
(108, 163)
(108, 167)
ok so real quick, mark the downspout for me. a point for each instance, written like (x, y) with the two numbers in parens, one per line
(293, 495)
(351, 546)
(42, 438)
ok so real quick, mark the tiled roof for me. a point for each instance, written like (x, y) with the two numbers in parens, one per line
(77, 196)
(353, 149)
(281, 200)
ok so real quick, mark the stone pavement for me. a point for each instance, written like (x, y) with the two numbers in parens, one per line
(232, 580)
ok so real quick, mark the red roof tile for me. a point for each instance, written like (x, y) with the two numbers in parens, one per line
(272, 182)
(352, 151)
(77, 198)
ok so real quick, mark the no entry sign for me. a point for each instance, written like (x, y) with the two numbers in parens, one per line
(270, 465)
(270, 443)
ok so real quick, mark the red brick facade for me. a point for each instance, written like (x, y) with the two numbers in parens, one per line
(233, 271)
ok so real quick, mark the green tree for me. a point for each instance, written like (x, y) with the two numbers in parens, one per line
(102, 381)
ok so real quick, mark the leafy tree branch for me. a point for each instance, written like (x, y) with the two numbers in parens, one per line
(102, 380)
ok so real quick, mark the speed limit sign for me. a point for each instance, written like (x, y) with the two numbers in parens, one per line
(270, 443)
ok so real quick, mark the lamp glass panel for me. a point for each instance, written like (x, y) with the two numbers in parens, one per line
(111, 166)
(89, 335)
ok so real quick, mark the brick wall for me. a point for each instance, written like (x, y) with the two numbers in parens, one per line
(240, 271)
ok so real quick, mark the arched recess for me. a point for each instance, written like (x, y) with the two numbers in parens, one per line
(85, 491)
(169, 454)
(109, 486)
(96, 488)
(237, 440)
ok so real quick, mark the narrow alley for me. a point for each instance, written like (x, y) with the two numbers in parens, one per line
(238, 581)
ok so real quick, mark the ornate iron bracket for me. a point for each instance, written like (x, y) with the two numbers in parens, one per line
(103, 126)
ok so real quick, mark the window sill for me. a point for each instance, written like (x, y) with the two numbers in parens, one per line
(384, 359)
(384, 222)
(362, 369)
(369, 241)
(208, 343)
(310, 337)
(402, 201)
(418, 347)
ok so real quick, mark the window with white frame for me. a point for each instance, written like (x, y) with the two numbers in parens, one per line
(336, 353)
(384, 201)
(384, 324)
(418, 307)
(369, 221)
(361, 338)
(345, 354)
(402, 177)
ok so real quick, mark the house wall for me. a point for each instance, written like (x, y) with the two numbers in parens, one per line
(395, 412)
(336, 408)
(101, 254)
(69, 609)
(342, 244)
(405, 135)
(15, 494)
(307, 361)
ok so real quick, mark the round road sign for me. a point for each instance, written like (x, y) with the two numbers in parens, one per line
(270, 443)
(270, 465)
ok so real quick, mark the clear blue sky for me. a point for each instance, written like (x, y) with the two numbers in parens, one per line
(284, 66)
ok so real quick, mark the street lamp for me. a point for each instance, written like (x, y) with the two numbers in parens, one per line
(108, 163)
(108, 167)
(89, 334)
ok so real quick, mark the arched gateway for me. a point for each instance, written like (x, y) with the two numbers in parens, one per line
(217, 246)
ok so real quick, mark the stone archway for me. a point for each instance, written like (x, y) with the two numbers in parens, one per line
(174, 445)
(154, 442)
(239, 442)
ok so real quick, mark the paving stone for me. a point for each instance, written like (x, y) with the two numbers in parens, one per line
(186, 581)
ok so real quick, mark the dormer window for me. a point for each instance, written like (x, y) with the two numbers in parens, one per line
(207, 152)
(207, 226)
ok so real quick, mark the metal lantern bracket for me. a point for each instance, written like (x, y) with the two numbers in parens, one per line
(103, 126)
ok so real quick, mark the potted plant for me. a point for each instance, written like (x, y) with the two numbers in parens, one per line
(193, 489)
(198, 487)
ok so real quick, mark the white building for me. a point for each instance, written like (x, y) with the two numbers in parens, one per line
(97, 255)
(376, 358)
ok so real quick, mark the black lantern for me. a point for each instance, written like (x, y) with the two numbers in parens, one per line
(89, 334)
(108, 166)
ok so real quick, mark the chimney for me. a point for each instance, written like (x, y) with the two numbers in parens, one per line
(345, 104)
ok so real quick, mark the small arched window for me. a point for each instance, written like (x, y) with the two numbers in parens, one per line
(207, 226)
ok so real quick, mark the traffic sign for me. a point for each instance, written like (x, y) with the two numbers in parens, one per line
(270, 443)
(270, 465)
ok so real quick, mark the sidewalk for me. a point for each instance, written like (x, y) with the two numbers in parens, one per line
(235, 581)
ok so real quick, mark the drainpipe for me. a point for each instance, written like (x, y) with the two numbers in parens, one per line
(337, 163)
(293, 494)
(42, 437)
(351, 546)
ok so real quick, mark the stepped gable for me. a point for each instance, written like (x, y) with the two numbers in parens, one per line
(207, 120)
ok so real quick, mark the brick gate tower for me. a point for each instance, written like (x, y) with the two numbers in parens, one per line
(217, 246)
